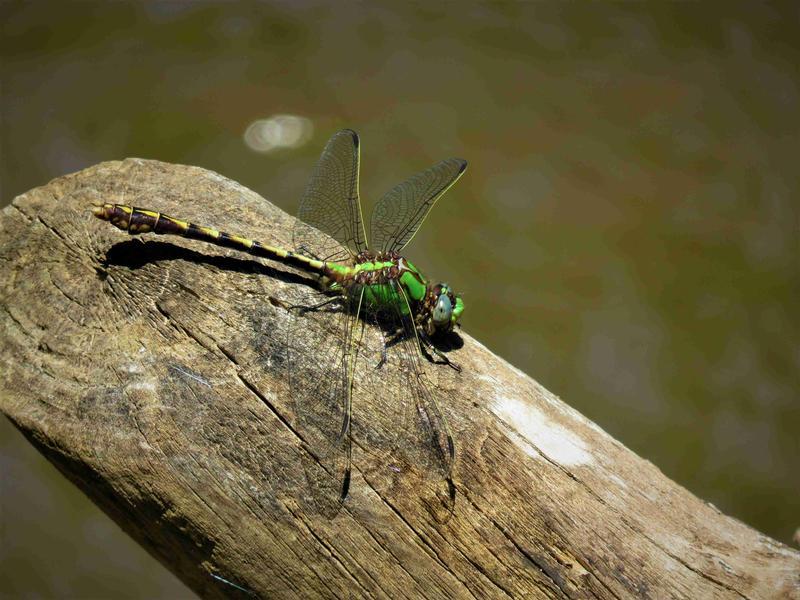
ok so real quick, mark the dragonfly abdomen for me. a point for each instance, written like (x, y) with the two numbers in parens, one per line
(141, 220)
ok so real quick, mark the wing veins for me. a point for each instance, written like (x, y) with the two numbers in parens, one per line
(399, 213)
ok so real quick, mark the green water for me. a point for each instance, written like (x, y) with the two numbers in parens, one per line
(631, 203)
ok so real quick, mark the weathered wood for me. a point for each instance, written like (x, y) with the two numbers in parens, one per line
(151, 373)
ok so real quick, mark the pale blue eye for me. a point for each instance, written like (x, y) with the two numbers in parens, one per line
(443, 310)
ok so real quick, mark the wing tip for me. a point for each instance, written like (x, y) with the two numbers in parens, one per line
(462, 164)
(353, 136)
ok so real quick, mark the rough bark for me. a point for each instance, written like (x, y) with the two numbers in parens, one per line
(151, 373)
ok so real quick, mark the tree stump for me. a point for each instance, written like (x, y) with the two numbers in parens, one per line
(151, 372)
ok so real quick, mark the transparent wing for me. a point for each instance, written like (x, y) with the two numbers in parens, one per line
(401, 211)
(331, 205)
(324, 337)
(404, 429)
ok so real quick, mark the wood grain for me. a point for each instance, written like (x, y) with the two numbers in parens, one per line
(151, 372)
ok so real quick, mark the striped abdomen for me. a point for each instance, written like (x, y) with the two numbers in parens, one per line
(139, 220)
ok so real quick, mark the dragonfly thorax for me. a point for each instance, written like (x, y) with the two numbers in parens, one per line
(390, 282)
(366, 256)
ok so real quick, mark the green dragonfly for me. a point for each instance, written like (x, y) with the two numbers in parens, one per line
(361, 294)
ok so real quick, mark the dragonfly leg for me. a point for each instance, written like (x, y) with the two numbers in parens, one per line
(428, 346)
(396, 337)
(383, 359)
(302, 309)
(305, 250)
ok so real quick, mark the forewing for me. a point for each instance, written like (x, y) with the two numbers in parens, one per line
(400, 212)
(331, 205)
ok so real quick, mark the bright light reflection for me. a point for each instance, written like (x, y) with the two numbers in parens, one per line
(278, 132)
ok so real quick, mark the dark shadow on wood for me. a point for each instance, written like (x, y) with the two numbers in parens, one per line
(134, 254)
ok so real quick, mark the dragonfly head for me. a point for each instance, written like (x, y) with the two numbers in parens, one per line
(447, 309)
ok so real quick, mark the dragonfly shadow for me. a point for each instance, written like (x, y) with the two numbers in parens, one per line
(135, 254)
(444, 342)
(448, 341)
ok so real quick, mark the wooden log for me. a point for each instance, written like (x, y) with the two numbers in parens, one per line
(151, 372)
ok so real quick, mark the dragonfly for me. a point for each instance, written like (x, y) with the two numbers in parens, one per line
(360, 289)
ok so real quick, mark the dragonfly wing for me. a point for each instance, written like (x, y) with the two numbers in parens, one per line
(405, 430)
(324, 338)
(331, 204)
(400, 212)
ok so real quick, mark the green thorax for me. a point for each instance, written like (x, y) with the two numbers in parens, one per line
(376, 278)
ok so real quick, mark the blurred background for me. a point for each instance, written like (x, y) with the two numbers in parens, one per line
(627, 232)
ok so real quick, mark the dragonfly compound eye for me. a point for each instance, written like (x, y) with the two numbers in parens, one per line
(442, 311)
